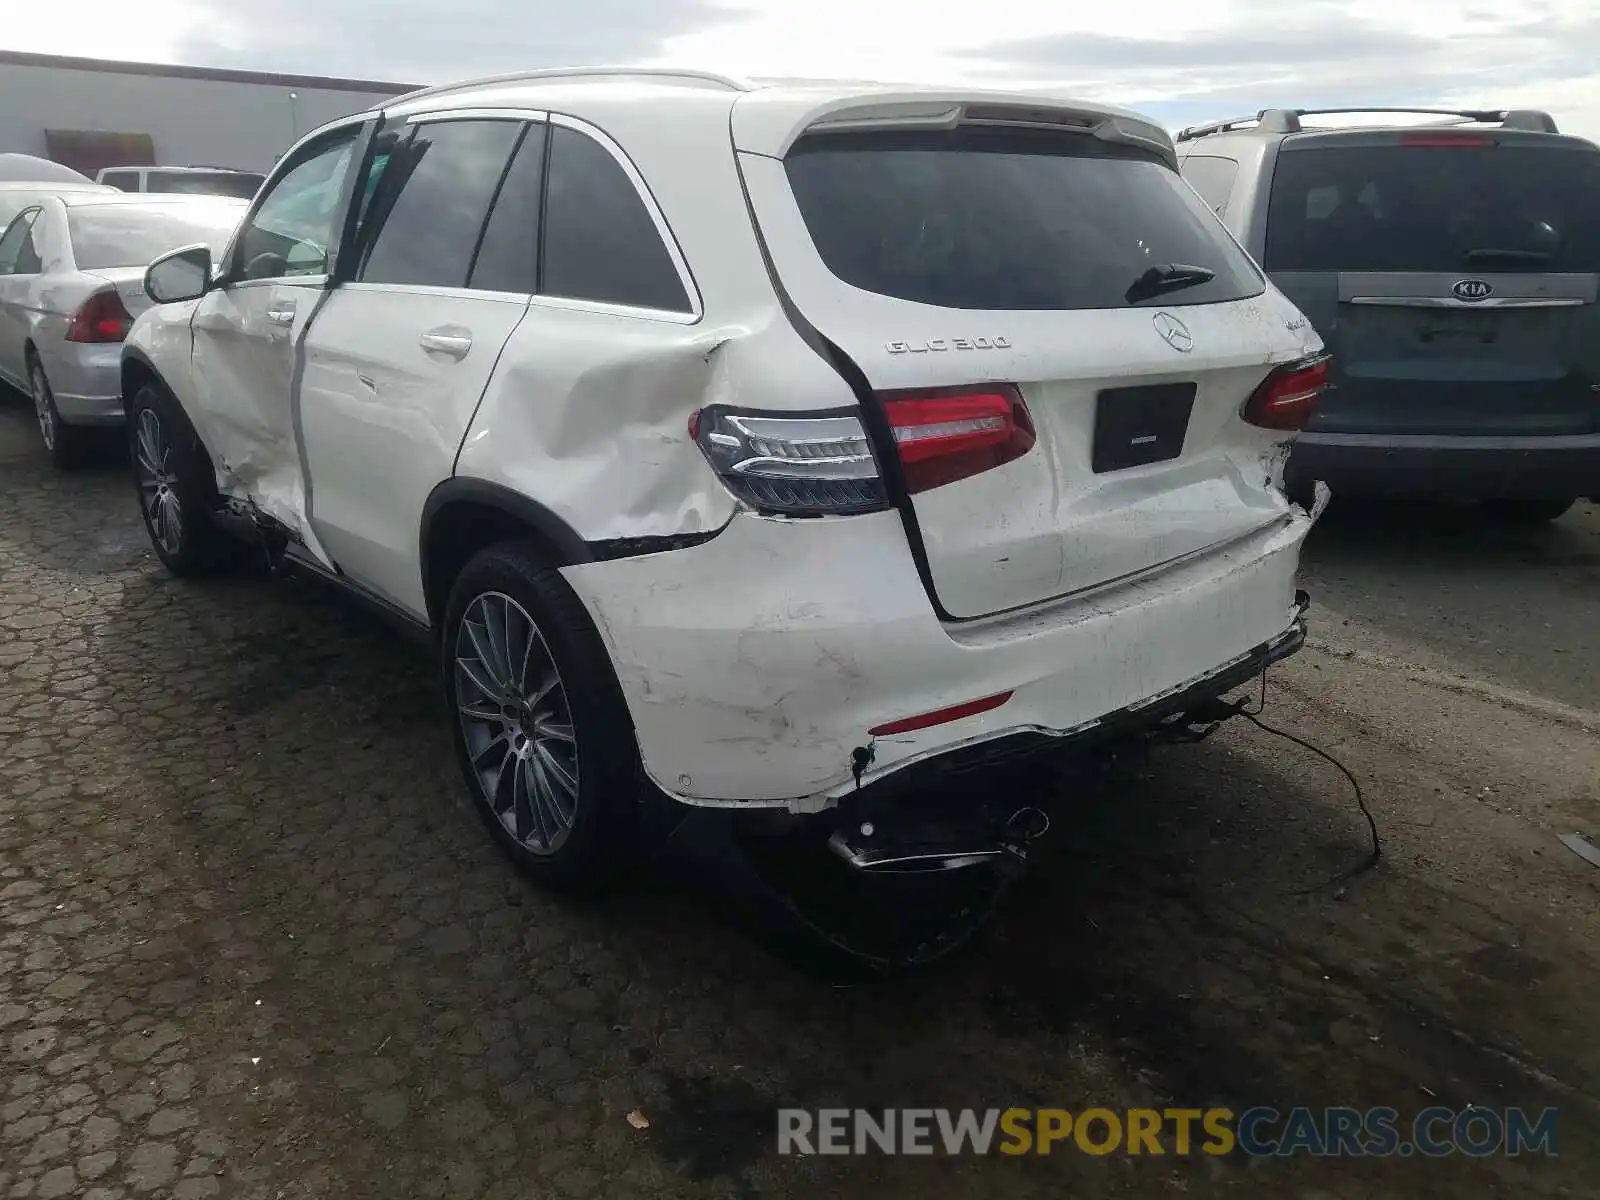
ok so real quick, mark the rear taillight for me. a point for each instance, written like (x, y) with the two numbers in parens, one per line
(1287, 397)
(820, 463)
(799, 465)
(101, 319)
(950, 434)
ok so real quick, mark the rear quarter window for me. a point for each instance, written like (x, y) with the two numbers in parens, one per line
(972, 219)
(1485, 208)
(1212, 176)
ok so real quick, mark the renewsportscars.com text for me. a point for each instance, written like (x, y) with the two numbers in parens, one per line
(1258, 1132)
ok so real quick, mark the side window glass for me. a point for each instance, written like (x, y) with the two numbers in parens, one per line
(442, 181)
(128, 181)
(600, 242)
(296, 223)
(1212, 176)
(508, 256)
(12, 241)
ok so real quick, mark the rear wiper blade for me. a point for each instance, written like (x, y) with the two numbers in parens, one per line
(1491, 252)
(1170, 277)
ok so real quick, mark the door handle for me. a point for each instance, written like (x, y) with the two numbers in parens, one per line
(442, 341)
(281, 313)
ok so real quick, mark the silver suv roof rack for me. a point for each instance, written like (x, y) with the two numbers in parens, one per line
(707, 78)
(1287, 120)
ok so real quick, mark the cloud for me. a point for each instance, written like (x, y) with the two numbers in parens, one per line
(1325, 54)
(416, 41)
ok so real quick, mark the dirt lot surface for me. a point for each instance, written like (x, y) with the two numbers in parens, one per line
(253, 943)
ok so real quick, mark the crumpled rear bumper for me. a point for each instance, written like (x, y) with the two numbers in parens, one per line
(755, 664)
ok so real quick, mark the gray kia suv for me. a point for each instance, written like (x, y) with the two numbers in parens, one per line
(1449, 261)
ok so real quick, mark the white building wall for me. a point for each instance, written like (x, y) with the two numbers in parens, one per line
(223, 123)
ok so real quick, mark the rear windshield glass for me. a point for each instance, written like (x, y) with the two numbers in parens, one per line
(241, 185)
(1433, 208)
(1009, 220)
(131, 235)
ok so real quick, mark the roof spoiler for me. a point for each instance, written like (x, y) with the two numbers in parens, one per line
(1287, 120)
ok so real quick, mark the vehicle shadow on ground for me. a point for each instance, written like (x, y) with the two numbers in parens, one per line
(433, 1005)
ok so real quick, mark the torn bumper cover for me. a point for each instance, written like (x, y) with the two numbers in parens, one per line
(755, 665)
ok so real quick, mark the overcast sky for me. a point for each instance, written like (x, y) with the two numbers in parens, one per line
(1178, 60)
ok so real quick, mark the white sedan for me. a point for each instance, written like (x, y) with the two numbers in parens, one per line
(71, 281)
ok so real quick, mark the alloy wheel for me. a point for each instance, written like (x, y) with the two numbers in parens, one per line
(42, 407)
(157, 481)
(517, 723)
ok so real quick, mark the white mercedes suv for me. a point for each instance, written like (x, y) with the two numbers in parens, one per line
(760, 440)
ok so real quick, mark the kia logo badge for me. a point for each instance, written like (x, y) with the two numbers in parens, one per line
(1174, 332)
(1472, 290)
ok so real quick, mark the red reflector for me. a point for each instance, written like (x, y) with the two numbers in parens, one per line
(939, 717)
(1445, 139)
(1287, 397)
(952, 433)
(101, 319)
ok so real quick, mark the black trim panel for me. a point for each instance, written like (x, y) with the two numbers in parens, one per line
(633, 547)
(413, 629)
(571, 548)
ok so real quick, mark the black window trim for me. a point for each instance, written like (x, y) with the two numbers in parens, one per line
(520, 116)
(360, 129)
(669, 239)
(37, 210)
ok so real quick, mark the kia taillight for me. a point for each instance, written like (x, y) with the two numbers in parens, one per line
(1287, 397)
(102, 318)
(1441, 139)
(821, 463)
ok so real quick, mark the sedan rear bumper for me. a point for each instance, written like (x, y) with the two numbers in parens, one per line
(1455, 467)
(86, 380)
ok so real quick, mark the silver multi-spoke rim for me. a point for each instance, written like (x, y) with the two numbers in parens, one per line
(152, 466)
(516, 722)
(41, 408)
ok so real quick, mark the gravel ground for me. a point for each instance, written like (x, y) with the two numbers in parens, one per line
(254, 944)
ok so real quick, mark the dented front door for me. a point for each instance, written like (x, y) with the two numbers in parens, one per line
(248, 329)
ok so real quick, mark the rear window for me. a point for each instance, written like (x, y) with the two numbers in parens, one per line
(1435, 209)
(240, 185)
(131, 235)
(992, 219)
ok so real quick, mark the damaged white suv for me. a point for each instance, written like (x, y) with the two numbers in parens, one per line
(760, 439)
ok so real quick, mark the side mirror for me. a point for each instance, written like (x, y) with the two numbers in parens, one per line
(181, 275)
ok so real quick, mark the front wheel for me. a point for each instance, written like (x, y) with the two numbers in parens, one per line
(541, 730)
(1529, 510)
(172, 473)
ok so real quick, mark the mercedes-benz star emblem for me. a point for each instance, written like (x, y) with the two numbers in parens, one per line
(1174, 332)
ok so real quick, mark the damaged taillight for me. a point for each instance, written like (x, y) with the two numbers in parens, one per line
(801, 465)
(1288, 396)
(812, 464)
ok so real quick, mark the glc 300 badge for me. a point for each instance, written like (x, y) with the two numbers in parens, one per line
(944, 345)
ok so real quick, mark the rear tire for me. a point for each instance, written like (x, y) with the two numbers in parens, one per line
(541, 729)
(176, 489)
(67, 445)
(1529, 510)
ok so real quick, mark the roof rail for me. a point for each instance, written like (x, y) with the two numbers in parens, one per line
(1268, 120)
(704, 77)
(1287, 120)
